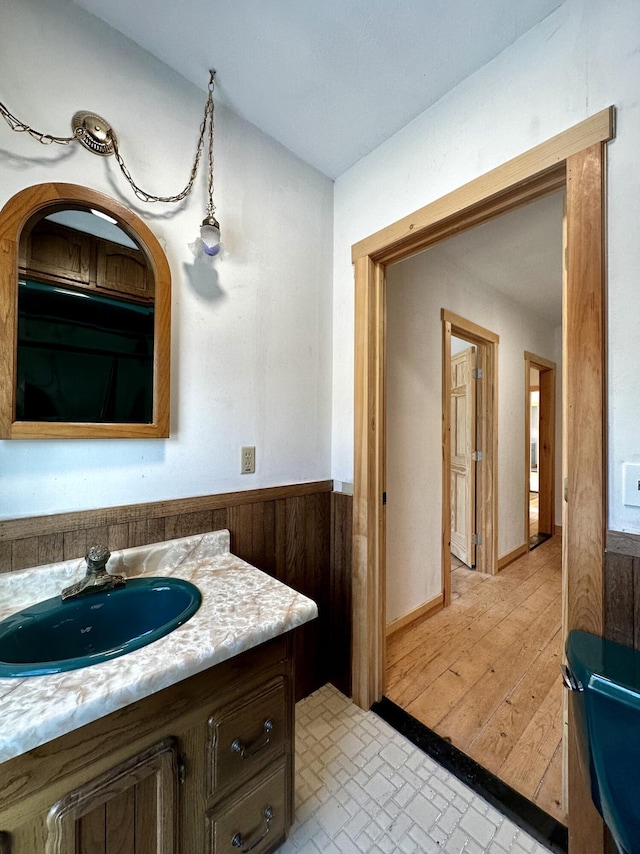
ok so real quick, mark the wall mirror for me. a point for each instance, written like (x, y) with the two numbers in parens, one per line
(86, 296)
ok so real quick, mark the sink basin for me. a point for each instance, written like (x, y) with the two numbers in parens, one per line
(55, 636)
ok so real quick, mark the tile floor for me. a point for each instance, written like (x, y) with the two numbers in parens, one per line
(362, 787)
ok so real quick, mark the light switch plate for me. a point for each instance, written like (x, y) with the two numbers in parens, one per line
(631, 484)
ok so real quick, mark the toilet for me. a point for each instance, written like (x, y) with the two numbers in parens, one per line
(605, 680)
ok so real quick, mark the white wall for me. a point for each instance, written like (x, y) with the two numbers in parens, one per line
(251, 338)
(581, 59)
(417, 289)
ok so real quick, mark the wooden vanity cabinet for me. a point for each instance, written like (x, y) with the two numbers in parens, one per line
(205, 765)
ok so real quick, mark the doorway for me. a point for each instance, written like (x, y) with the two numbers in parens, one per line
(463, 374)
(477, 673)
(540, 445)
(469, 447)
(574, 160)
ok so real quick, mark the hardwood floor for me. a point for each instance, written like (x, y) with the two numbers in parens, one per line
(485, 672)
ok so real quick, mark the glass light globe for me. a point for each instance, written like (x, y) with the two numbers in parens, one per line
(210, 235)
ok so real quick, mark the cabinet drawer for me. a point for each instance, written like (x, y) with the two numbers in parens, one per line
(247, 736)
(255, 820)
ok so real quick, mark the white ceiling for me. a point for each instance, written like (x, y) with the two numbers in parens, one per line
(518, 254)
(329, 79)
(333, 79)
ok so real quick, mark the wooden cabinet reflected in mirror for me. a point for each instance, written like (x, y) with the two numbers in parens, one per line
(86, 289)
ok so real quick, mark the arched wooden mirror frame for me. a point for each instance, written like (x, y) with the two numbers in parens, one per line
(16, 213)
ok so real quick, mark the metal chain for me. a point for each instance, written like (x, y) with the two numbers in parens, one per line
(210, 206)
(20, 127)
(147, 197)
(47, 139)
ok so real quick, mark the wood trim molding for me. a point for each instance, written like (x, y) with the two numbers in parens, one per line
(470, 329)
(422, 612)
(15, 214)
(623, 543)
(16, 529)
(539, 360)
(511, 556)
(584, 528)
(542, 167)
(369, 574)
(585, 377)
(8, 322)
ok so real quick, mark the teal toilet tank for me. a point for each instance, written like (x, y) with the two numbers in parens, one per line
(607, 709)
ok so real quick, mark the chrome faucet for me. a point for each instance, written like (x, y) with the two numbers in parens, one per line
(97, 578)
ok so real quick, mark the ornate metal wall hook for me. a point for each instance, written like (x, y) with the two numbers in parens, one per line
(94, 132)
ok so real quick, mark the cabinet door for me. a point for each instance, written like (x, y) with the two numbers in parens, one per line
(130, 809)
(124, 271)
(58, 253)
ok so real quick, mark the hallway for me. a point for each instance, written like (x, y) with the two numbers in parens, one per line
(484, 672)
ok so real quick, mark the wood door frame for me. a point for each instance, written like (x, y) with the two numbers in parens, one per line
(487, 407)
(575, 161)
(547, 450)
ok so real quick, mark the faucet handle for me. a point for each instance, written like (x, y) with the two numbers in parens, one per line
(97, 558)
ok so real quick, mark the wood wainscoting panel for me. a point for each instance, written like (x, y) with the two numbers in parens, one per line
(622, 599)
(298, 533)
(624, 543)
(340, 592)
(622, 589)
(178, 516)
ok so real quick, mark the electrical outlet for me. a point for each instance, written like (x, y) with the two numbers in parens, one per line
(247, 459)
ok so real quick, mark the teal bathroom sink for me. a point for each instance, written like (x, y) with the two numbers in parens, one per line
(55, 635)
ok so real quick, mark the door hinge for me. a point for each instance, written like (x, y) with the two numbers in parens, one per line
(384, 498)
(477, 373)
(476, 539)
(182, 768)
(477, 456)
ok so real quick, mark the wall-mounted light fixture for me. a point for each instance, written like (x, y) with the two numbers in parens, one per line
(97, 136)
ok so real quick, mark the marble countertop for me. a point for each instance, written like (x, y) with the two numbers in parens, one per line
(241, 608)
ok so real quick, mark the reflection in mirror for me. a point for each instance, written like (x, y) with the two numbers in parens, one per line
(87, 295)
(85, 322)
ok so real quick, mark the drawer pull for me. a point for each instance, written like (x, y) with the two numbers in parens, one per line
(237, 841)
(259, 744)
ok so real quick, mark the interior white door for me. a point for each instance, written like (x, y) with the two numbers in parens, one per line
(463, 480)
